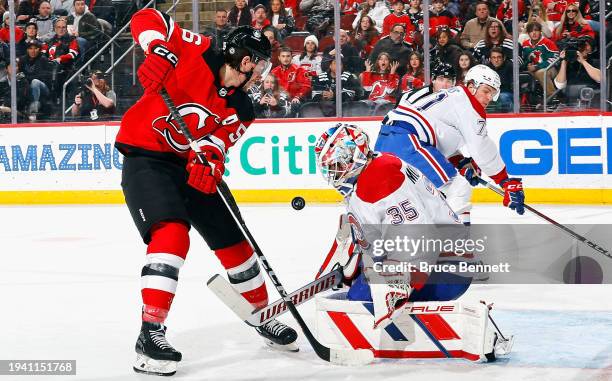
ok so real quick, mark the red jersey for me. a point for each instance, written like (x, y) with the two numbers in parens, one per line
(210, 110)
(444, 19)
(410, 81)
(294, 79)
(380, 86)
(403, 19)
(555, 13)
(5, 34)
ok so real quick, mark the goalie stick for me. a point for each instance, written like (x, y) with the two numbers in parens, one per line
(257, 317)
(569, 231)
(337, 356)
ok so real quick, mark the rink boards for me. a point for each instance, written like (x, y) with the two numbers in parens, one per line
(562, 158)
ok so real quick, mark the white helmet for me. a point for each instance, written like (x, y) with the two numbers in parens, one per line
(484, 75)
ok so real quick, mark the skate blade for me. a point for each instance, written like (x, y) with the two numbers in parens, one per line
(145, 364)
(291, 347)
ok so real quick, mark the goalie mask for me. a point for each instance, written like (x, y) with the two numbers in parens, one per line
(342, 152)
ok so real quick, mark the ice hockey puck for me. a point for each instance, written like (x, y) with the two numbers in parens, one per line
(298, 203)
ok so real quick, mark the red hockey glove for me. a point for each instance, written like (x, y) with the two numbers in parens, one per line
(469, 169)
(156, 66)
(514, 197)
(205, 177)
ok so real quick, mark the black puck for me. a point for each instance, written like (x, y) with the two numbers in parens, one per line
(298, 203)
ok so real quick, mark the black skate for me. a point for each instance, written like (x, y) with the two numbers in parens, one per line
(154, 354)
(278, 336)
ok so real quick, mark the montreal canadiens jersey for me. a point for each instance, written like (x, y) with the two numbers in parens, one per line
(450, 120)
(391, 192)
(210, 110)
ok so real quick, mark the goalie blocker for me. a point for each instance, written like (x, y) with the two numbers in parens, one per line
(425, 330)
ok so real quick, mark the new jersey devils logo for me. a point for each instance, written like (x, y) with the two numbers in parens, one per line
(194, 115)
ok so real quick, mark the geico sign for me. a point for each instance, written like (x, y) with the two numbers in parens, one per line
(575, 151)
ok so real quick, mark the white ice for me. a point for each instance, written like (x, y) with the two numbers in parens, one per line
(70, 289)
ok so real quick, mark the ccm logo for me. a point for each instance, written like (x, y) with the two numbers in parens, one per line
(513, 187)
(165, 53)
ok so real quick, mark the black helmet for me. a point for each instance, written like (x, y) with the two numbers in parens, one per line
(250, 39)
(443, 69)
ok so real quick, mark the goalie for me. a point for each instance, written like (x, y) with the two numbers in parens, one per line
(382, 193)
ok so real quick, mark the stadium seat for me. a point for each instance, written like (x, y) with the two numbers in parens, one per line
(346, 22)
(325, 42)
(295, 43)
(300, 22)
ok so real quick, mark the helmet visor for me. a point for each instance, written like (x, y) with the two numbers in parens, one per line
(262, 68)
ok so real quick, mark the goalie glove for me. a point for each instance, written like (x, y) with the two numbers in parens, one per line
(343, 253)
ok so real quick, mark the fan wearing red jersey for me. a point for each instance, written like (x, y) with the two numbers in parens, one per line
(166, 190)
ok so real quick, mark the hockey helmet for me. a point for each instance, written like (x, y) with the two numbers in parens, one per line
(484, 75)
(253, 42)
(342, 152)
(443, 69)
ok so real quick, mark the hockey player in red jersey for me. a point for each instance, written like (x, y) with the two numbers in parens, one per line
(167, 191)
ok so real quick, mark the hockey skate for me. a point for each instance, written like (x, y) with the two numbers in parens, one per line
(278, 336)
(154, 354)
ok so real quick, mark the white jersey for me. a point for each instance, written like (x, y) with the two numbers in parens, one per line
(449, 120)
(391, 192)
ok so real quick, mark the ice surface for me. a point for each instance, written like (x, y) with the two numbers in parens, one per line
(70, 288)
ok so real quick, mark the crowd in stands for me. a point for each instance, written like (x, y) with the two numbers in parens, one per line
(53, 39)
(381, 52)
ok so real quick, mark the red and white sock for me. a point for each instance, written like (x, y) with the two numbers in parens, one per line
(159, 277)
(244, 273)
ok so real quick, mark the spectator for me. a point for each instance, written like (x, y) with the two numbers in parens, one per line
(292, 7)
(395, 46)
(555, 8)
(439, 18)
(269, 101)
(415, 12)
(240, 14)
(465, 62)
(27, 10)
(445, 50)
(572, 25)
(365, 36)
(324, 85)
(37, 70)
(270, 33)
(282, 21)
(503, 67)
(538, 15)
(44, 21)
(320, 16)
(5, 31)
(66, 8)
(292, 78)
(309, 59)
(539, 53)
(218, 30)
(95, 100)
(376, 9)
(63, 50)
(415, 76)
(84, 25)
(5, 94)
(260, 17)
(350, 54)
(580, 65)
(381, 79)
(475, 29)
(103, 10)
(399, 17)
(31, 31)
(350, 7)
(493, 38)
(504, 13)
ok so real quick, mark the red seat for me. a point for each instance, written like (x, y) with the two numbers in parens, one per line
(346, 22)
(295, 43)
(325, 42)
(300, 23)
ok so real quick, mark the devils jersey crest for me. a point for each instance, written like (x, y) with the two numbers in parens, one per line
(194, 115)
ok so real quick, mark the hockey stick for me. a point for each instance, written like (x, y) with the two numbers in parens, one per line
(257, 317)
(569, 231)
(338, 356)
